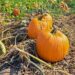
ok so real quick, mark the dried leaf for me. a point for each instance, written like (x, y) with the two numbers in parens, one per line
(64, 6)
(2, 47)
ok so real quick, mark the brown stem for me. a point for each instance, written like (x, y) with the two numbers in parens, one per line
(54, 30)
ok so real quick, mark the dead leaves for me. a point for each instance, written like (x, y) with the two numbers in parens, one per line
(64, 6)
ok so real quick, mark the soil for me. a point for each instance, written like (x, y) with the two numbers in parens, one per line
(14, 63)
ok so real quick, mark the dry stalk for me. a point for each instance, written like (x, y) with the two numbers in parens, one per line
(4, 31)
(40, 69)
(2, 47)
(1, 73)
(7, 38)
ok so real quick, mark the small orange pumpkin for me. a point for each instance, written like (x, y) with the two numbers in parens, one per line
(53, 46)
(16, 11)
(36, 25)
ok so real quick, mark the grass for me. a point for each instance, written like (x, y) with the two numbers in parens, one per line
(29, 6)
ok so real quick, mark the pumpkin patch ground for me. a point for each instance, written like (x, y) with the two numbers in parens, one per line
(14, 62)
(37, 37)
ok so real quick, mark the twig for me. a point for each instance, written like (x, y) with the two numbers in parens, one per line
(17, 37)
(42, 73)
(4, 72)
(5, 31)
(7, 38)
(37, 67)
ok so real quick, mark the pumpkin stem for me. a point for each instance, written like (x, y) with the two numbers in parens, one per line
(54, 29)
(41, 16)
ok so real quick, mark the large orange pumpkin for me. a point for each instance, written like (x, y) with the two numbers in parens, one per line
(52, 46)
(36, 25)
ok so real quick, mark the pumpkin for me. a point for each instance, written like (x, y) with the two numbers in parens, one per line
(16, 11)
(52, 46)
(43, 22)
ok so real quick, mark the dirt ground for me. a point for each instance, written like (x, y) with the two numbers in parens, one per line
(13, 63)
